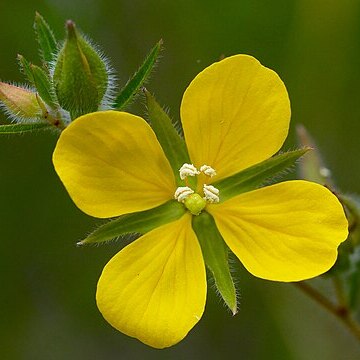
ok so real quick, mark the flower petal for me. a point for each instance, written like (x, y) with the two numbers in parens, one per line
(111, 164)
(155, 288)
(235, 114)
(284, 232)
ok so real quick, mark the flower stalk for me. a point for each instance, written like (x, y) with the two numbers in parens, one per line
(341, 311)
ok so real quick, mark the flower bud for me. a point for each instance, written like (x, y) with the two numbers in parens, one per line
(19, 103)
(80, 74)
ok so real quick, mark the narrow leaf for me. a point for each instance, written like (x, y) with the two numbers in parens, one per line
(215, 253)
(139, 222)
(138, 80)
(43, 85)
(25, 68)
(21, 128)
(254, 176)
(173, 145)
(45, 38)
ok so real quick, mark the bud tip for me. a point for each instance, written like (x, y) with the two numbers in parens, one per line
(70, 27)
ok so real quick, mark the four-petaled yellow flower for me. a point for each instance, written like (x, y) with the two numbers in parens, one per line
(234, 114)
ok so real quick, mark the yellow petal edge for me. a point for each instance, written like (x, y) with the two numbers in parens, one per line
(155, 288)
(285, 232)
(112, 164)
(235, 113)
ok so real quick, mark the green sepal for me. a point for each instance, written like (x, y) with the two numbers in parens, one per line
(215, 254)
(45, 38)
(25, 68)
(132, 87)
(172, 144)
(44, 86)
(254, 176)
(80, 75)
(139, 222)
(21, 128)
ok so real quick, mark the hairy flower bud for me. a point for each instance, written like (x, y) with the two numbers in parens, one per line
(18, 102)
(80, 74)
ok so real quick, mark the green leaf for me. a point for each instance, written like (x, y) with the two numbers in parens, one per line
(21, 128)
(139, 222)
(45, 38)
(254, 176)
(25, 68)
(132, 87)
(43, 85)
(215, 253)
(173, 145)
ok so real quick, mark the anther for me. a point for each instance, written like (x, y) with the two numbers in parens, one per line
(188, 170)
(211, 193)
(182, 193)
(208, 170)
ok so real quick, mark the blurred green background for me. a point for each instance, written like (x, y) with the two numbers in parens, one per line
(47, 285)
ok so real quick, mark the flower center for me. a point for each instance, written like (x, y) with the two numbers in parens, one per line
(194, 202)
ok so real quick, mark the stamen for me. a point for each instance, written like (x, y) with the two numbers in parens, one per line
(182, 193)
(188, 170)
(211, 193)
(208, 170)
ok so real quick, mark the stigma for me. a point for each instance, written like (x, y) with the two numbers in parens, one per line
(194, 202)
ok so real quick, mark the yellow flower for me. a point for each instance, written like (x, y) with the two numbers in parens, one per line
(234, 114)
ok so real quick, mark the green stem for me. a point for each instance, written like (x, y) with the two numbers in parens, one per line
(339, 291)
(341, 312)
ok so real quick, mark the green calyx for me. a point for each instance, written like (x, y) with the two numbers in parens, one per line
(215, 254)
(136, 223)
(80, 75)
(195, 203)
(255, 176)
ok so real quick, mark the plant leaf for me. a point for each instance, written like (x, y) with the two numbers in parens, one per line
(173, 145)
(25, 68)
(21, 128)
(132, 87)
(254, 176)
(215, 254)
(44, 86)
(45, 38)
(139, 222)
